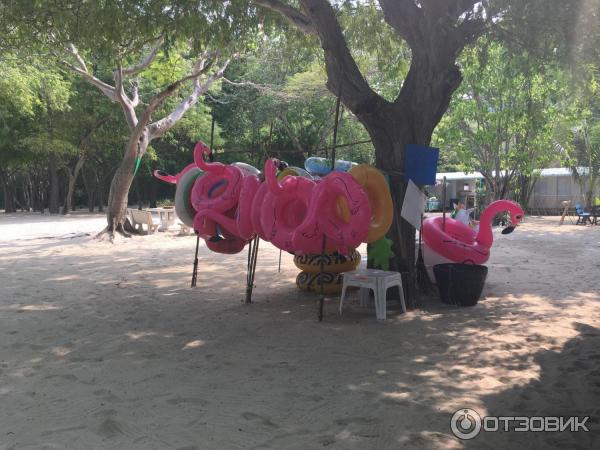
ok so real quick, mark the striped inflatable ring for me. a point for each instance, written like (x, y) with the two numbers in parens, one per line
(183, 205)
(332, 282)
(332, 262)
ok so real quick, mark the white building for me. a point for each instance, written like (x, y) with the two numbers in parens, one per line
(554, 186)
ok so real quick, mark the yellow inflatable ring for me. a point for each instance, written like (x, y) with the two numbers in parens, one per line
(332, 282)
(293, 171)
(380, 199)
(332, 262)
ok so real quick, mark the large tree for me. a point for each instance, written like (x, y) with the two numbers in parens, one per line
(436, 32)
(143, 129)
(110, 44)
(503, 117)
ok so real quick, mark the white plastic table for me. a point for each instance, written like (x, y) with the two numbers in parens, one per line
(166, 215)
(377, 280)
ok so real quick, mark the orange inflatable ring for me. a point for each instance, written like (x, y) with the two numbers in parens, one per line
(332, 262)
(380, 199)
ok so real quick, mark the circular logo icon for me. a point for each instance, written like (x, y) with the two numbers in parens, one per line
(465, 423)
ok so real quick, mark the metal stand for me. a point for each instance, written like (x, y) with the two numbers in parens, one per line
(252, 256)
(444, 205)
(195, 271)
(279, 266)
(211, 157)
(333, 147)
(321, 276)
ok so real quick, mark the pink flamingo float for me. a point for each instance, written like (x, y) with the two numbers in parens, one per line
(230, 204)
(459, 243)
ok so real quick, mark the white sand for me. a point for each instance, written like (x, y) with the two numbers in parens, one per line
(106, 346)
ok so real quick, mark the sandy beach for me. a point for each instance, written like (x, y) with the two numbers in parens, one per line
(106, 346)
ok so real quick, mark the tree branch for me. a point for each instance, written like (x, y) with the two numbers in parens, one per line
(403, 16)
(146, 61)
(293, 15)
(73, 51)
(127, 105)
(82, 70)
(288, 128)
(343, 75)
(161, 126)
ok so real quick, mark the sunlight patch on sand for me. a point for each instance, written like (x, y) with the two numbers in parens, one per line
(194, 344)
(137, 335)
(64, 278)
(39, 307)
(61, 351)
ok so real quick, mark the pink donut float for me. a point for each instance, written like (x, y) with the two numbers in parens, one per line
(257, 203)
(322, 217)
(250, 187)
(219, 188)
(284, 207)
(238, 223)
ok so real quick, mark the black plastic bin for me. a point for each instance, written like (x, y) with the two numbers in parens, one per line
(460, 284)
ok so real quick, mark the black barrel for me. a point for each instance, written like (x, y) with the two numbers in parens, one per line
(460, 284)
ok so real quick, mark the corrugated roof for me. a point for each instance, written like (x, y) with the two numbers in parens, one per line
(551, 172)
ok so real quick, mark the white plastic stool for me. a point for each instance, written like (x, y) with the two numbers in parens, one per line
(377, 280)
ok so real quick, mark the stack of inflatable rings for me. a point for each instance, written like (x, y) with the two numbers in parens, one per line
(334, 265)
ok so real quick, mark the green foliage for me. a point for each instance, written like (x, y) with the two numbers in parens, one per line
(282, 107)
(504, 115)
(32, 94)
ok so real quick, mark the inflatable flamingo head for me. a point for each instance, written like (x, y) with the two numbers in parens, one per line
(270, 171)
(516, 215)
(200, 150)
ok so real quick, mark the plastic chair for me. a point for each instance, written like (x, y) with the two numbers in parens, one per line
(379, 281)
(583, 217)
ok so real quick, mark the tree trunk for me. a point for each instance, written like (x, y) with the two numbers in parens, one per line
(138, 191)
(54, 187)
(8, 190)
(121, 183)
(410, 120)
(153, 193)
(72, 181)
(100, 191)
(26, 193)
(90, 185)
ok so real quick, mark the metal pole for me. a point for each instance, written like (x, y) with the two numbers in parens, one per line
(335, 128)
(195, 271)
(252, 256)
(321, 276)
(279, 267)
(444, 205)
(211, 157)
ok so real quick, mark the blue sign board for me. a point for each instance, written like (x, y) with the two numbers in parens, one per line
(420, 164)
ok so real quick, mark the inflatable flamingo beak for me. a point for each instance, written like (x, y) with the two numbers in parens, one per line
(508, 229)
(164, 176)
(514, 224)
